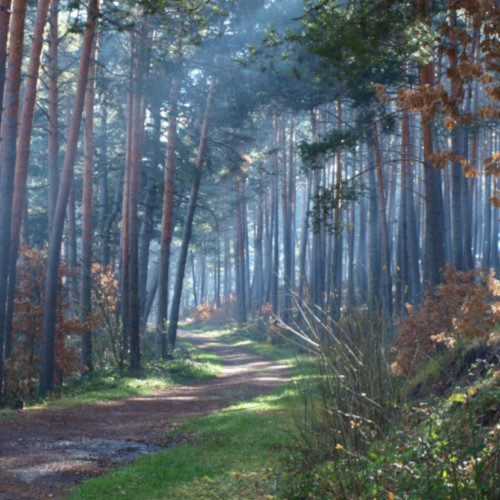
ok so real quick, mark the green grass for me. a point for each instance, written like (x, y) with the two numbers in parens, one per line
(188, 365)
(235, 453)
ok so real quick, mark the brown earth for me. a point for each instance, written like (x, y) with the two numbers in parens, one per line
(43, 453)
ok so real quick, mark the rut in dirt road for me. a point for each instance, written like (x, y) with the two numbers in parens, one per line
(44, 452)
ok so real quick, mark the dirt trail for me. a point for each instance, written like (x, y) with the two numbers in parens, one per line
(43, 453)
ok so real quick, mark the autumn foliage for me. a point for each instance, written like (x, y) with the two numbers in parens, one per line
(214, 314)
(464, 306)
(23, 366)
(108, 341)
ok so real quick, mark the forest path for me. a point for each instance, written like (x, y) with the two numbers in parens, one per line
(43, 453)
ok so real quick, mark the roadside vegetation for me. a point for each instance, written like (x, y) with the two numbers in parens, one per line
(418, 420)
(357, 420)
(186, 364)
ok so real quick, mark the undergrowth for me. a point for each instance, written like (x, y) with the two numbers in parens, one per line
(424, 426)
(187, 364)
(442, 448)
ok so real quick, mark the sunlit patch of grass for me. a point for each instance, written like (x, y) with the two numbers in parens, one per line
(235, 453)
(189, 364)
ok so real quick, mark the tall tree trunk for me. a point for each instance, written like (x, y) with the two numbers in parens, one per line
(55, 240)
(70, 249)
(87, 209)
(275, 218)
(258, 287)
(186, 235)
(375, 265)
(150, 207)
(402, 265)
(240, 254)
(457, 223)
(4, 32)
(268, 239)
(304, 231)
(286, 225)
(102, 200)
(167, 222)
(292, 200)
(125, 234)
(434, 253)
(193, 274)
(386, 254)
(337, 224)
(23, 152)
(53, 150)
(138, 116)
(8, 159)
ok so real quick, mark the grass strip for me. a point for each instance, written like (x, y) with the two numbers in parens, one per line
(190, 364)
(234, 453)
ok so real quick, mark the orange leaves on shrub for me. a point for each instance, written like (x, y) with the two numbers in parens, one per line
(464, 306)
(23, 367)
(210, 313)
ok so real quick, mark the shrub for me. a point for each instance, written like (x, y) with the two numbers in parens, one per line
(108, 341)
(464, 306)
(211, 313)
(350, 402)
(22, 368)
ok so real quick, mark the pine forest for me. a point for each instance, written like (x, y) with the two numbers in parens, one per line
(318, 179)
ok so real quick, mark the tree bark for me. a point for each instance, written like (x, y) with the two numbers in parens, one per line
(8, 159)
(186, 235)
(434, 254)
(87, 209)
(55, 240)
(382, 208)
(167, 222)
(240, 254)
(53, 71)
(287, 234)
(4, 31)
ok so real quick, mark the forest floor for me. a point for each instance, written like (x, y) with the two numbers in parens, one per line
(44, 452)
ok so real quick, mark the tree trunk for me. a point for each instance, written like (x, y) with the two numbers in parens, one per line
(53, 71)
(55, 240)
(8, 159)
(240, 254)
(386, 254)
(337, 224)
(4, 31)
(87, 203)
(286, 225)
(138, 116)
(275, 219)
(23, 152)
(102, 199)
(374, 247)
(434, 254)
(186, 235)
(150, 206)
(167, 222)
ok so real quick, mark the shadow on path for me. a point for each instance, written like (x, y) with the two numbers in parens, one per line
(43, 453)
